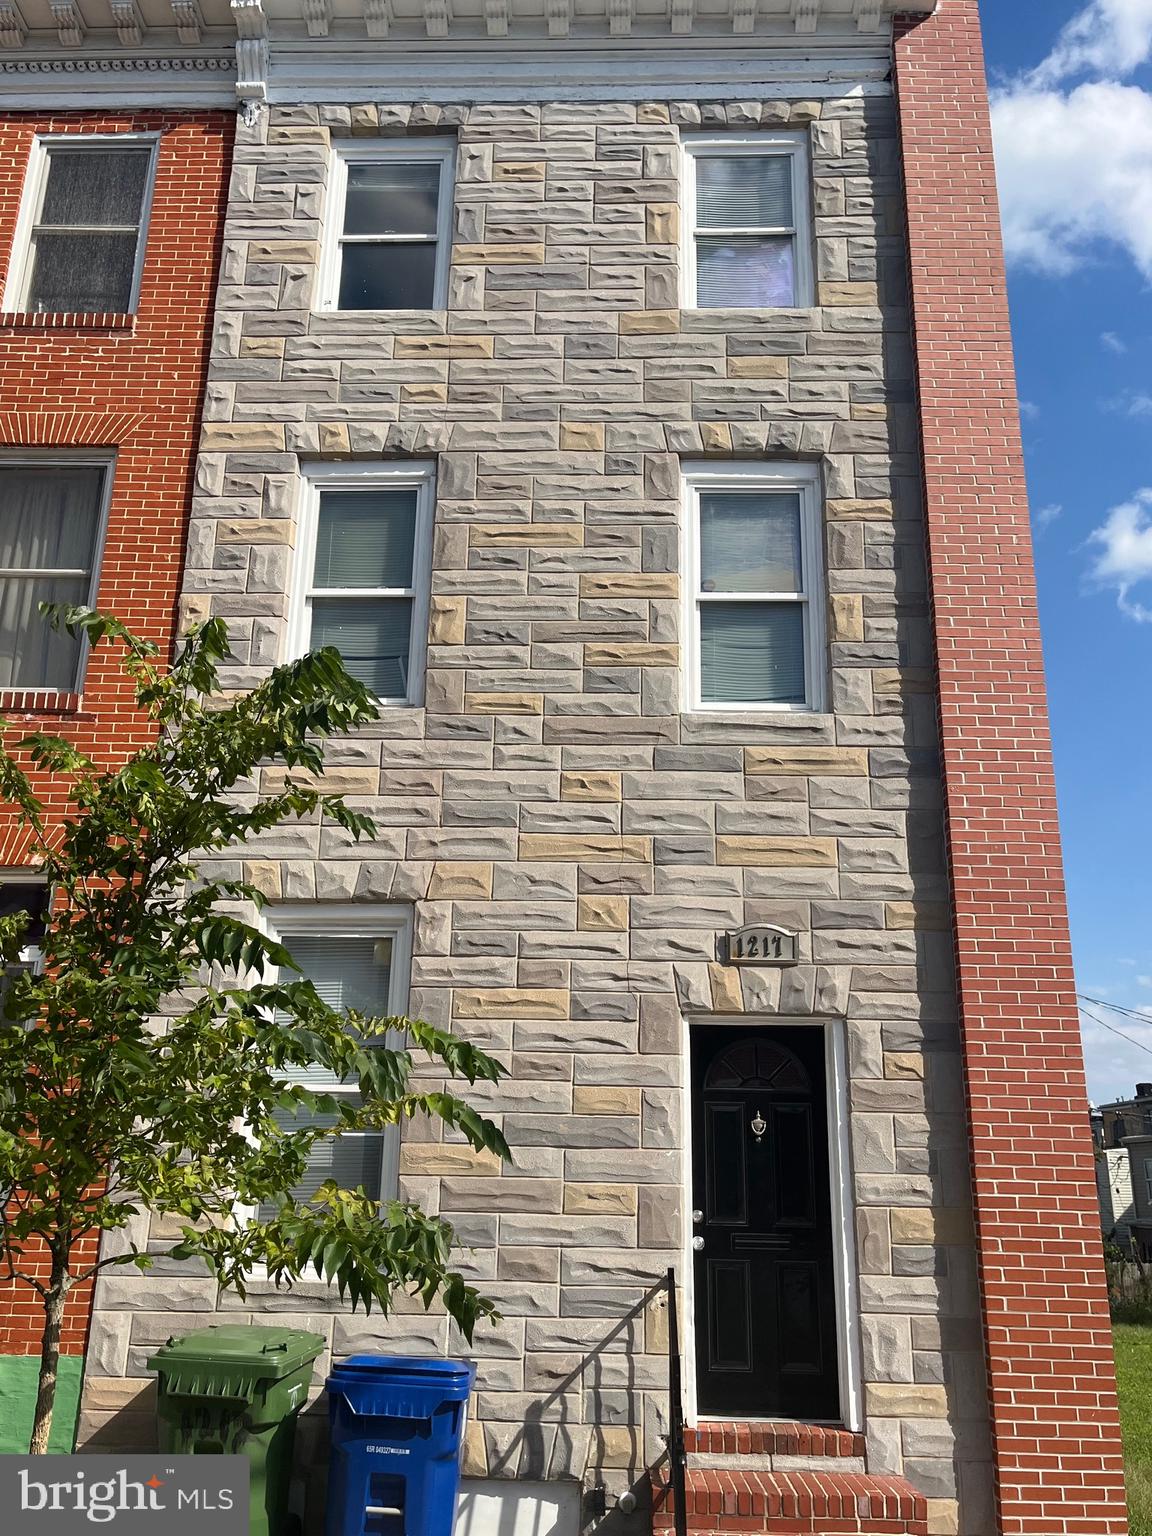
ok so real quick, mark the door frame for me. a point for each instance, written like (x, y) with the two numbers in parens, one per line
(847, 1296)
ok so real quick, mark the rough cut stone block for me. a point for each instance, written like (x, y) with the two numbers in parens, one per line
(782, 852)
(811, 760)
(509, 1002)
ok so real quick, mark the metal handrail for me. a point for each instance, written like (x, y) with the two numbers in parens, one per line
(677, 1459)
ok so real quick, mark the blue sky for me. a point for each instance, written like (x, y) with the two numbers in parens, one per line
(1072, 86)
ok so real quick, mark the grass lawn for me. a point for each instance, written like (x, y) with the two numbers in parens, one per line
(1134, 1370)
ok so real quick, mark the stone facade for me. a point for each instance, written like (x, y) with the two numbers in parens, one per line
(573, 844)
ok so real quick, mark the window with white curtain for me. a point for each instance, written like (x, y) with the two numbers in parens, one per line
(389, 226)
(81, 243)
(748, 230)
(362, 578)
(355, 960)
(50, 526)
(754, 587)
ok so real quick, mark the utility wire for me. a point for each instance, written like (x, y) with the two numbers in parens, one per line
(1130, 1013)
(1104, 1024)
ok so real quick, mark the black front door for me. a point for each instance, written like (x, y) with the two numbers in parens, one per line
(762, 1224)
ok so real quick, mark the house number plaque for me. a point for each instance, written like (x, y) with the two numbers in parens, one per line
(763, 945)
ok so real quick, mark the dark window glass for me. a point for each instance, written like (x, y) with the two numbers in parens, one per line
(85, 239)
(390, 275)
(102, 187)
(389, 198)
(82, 271)
(21, 896)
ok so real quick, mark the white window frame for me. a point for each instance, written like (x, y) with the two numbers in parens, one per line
(1148, 1179)
(56, 460)
(793, 145)
(32, 199)
(419, 475)
(438, 151)
(737, 477)
(346, 920)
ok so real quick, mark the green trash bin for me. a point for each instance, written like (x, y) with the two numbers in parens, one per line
(236, 1390)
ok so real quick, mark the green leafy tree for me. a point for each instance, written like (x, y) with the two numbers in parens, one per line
(143, 1065)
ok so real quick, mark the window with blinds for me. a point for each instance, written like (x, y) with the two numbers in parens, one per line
(749, 228)
(50, 520)
(349, 972)
(391, 211)
(84, 215)
(365, 583)
(756, 600)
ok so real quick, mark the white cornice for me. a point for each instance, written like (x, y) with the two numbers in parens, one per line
(317, 50)
(590, 19)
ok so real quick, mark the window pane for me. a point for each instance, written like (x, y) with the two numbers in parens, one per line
(80, 272)
(745, 272)
(744, 191)
(372, 634)
(751, 653)
(347, 973)
(48, 517)
(32, 655)
(391, 198)
(26, 896)
(90, 186)
(365, 539)
(354, 1160)
(750, 543)
(388, 276)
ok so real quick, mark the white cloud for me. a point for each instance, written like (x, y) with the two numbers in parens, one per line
(1133, 402)
(1125, 558)
(1112, 343)
(1116, 1062)
(1075, 171)
(1108, 37)
(1047, 515)
(1029, 410)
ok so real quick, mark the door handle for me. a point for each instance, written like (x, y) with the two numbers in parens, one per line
(697, 1244)
(697, 1217)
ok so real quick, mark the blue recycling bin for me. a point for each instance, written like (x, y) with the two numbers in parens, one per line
(397, 1430)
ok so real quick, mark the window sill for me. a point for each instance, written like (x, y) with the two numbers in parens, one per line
(408, 316)
(38, 701)
(16, 320)
(757, 711)
(690, 310)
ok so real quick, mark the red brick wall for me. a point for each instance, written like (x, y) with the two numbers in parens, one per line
(134, 384)
(1052, 1383)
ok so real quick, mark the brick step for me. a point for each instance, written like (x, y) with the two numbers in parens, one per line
(825, 1503)
(735, 1438)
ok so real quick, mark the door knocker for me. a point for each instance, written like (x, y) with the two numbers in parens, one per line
(759, 1126)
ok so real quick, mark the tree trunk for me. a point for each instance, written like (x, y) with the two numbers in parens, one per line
(54, 1301)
